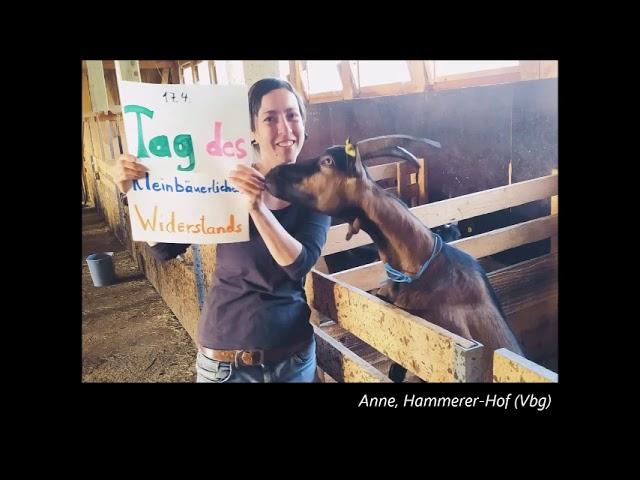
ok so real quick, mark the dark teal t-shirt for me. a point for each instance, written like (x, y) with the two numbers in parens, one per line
(254, 303)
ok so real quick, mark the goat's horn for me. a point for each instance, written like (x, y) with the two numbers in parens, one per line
(394, 151)
(385, 141)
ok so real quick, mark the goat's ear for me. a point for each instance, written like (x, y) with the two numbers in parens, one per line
(356, 167)
(354, 228)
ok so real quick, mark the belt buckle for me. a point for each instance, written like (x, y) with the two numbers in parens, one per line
(238, 362)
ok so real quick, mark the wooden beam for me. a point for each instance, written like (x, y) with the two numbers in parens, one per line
(321, 265)
(97, 86)
(512, 236)
(507, 72)
(455, 209)
(529, 69)
(143, 64)
(128, 70)
(334, 96)
(511, 367)
(397, 88)
(341, 363)
(427, 350)
(370, 276)
(86, 96)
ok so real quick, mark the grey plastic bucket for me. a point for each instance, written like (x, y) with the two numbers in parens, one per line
(101, 268)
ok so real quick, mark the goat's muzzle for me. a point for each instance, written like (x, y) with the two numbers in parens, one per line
(282, 182)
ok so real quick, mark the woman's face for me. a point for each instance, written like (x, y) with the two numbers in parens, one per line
(279, 128)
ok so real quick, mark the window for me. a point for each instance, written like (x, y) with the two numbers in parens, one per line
(333, 80)
(323, 76)
(380, 72)
(187, 75)
(235, 72)
(221, 72)
(455, 67)
(283, 66)
(204, 78)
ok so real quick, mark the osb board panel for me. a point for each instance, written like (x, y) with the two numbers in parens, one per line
(89, 179)
(107, 136)
(95, 138)
(87, 143)
(510, 367)
(107, 192)
(208, 254)
(427, 350)
(175, 281)
(87, 168)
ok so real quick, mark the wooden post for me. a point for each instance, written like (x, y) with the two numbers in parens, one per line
(295, 77)
(349, 86)
(418, 74)
(430, 71)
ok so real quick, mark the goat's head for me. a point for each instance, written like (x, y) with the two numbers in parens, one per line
(334, 182)
(328, 183)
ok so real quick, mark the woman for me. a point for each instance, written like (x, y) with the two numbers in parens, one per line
(254, 326)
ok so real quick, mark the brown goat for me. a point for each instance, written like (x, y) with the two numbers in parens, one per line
(427, 277)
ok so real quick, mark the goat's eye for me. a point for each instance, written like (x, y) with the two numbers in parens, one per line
(326, 161)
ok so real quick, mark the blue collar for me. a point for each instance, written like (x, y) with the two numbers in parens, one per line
(397, 276)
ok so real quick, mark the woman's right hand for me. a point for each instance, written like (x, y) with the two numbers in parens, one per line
(128, 169)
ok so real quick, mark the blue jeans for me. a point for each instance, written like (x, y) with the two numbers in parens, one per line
(299, 367)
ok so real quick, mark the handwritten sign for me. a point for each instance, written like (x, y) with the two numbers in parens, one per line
(189, 137)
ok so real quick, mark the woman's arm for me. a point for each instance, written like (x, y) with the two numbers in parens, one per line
(296, 254)
(312, 235)
(283, 247)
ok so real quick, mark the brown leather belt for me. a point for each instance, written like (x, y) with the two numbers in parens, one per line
(247, 358)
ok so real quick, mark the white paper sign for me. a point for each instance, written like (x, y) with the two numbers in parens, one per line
(189, 137)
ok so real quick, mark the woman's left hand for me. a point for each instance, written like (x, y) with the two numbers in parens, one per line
(250, 182)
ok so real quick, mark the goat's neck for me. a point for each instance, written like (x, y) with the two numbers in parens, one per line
(403, 241)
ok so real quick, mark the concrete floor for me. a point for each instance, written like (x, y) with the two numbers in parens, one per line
(128, 333)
